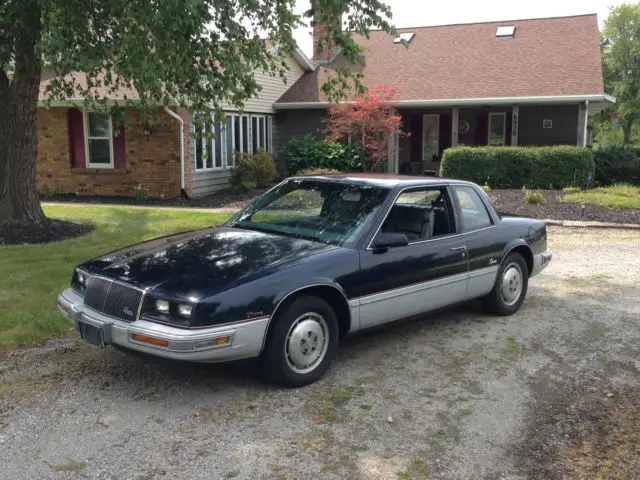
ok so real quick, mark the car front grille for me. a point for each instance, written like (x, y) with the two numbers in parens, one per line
(114, 299)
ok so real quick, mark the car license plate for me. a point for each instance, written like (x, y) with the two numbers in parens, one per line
(91, 334)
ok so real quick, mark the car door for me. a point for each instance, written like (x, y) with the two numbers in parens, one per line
(483, 244)
(428, 273)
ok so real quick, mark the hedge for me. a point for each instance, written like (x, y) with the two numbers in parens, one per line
(515, 167)
(617, 164)
(308, 152)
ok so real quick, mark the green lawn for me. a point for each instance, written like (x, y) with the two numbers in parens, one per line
(32, 276)
(620, 197)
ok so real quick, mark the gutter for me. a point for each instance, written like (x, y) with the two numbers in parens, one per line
(550, 99)
(181, 122)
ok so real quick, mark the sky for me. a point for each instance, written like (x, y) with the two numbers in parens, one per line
(417, 13)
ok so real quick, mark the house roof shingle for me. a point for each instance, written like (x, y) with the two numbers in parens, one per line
(545, 57)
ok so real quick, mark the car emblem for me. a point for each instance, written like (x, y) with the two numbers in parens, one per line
(492, 261)
(127, 311)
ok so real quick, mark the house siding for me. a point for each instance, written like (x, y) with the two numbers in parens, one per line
(209, 182)
(297, 123)
(565, 125)
(273, 87)
(152, 163)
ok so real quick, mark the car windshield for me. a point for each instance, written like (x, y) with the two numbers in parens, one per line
(320, 210)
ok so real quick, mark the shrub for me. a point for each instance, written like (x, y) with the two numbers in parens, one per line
(617, 164)
(141, 193)
(318, 171)
(308, 152)
(532, 196)
(486, 187)
(571, 189)
(513, 167)
(257, 170)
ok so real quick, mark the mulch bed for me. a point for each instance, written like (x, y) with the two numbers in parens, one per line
(218, 200)
(50, 231)
(508, 203)
(512, 203)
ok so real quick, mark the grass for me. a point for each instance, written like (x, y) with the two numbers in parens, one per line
(32, 276)
(619, 197)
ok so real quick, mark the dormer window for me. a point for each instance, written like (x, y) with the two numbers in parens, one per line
(404, 37)
(506, 31)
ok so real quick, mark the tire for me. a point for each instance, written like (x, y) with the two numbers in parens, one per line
(510, 289)
(305, 331)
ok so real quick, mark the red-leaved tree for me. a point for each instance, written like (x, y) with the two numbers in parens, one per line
(371, 120)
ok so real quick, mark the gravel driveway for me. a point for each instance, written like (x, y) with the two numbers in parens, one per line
(457, 396)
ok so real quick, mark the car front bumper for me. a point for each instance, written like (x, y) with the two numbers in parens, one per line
(540, 262)
(242, 340)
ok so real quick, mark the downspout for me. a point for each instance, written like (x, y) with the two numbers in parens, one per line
(181, 122)
(586, 123)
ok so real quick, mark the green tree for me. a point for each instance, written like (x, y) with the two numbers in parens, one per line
(621, 63)
(198, 54)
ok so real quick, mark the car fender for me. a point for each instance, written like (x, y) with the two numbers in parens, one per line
(300, 286)
(303, 284)
(515, 243)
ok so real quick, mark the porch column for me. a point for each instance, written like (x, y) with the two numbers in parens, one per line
(394, 151)
(583, 118)
(515, 118)
(455, 119)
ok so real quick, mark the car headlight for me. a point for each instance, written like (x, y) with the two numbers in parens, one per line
(82, 278)
(185, 310)
(162, 306)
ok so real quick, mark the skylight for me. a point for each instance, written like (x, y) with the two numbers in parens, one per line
(506, 31)
(407, 37)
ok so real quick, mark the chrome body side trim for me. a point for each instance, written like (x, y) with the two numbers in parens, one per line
(183, 344)
(398, 303)
(540, 262)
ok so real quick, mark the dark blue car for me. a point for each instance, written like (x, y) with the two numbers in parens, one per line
(310, 261)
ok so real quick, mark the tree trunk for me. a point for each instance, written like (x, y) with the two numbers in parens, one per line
(19, 202)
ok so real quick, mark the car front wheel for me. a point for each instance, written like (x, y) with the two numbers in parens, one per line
(510, 289)
(303, 342)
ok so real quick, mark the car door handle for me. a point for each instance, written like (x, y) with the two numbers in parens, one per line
(459, 249)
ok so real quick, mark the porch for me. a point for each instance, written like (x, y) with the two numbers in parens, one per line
(432, 130)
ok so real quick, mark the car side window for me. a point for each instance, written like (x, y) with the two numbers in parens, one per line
(421, 214)
(473, 210)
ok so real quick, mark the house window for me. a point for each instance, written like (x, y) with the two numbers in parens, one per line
(497, 129)
(245, 134)
(260, 133)
(98, 134)
(209, 143)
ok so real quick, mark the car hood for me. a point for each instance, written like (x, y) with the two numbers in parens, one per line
(202, 262)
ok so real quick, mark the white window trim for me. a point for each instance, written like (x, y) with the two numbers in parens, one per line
(504, 128)
(88, 164)
(270, 135)
(265, 144)
(213, 149)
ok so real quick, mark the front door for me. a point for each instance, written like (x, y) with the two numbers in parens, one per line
(429, 273)
(430, 139)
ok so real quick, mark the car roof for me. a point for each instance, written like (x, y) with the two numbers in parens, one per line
(387, 180)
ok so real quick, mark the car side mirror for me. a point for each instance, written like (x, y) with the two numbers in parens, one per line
(386, 240)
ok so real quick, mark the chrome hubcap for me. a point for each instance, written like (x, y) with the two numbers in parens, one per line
(307, 342)
(511, 288)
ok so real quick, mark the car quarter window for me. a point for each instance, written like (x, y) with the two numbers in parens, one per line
(473, 210)
(421, 214)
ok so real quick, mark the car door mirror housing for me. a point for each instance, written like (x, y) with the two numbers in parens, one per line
(386, 240)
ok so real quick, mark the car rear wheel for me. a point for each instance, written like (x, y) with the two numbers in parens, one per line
(302, 342)
(510, 289)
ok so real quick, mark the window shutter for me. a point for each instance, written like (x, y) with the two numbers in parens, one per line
(76, 139)
(119, 149)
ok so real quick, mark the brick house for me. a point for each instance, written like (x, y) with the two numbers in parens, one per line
(522, 82)
(79, 152)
